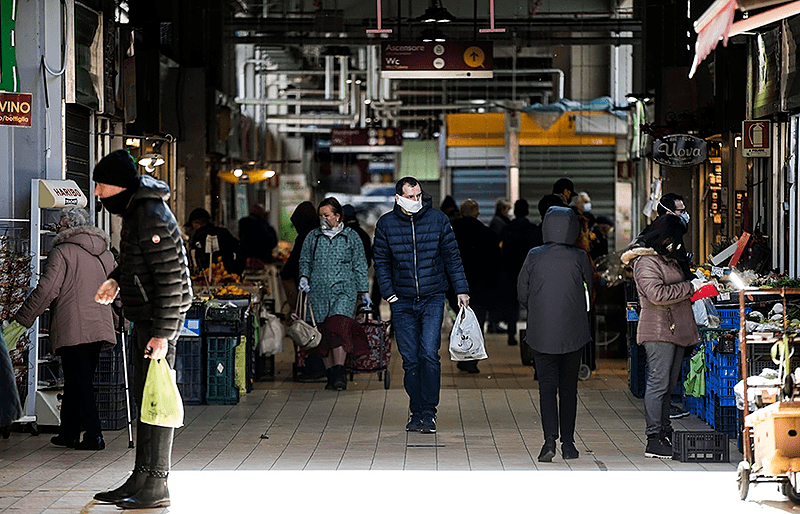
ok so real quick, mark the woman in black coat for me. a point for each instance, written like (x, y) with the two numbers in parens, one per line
(555, 285)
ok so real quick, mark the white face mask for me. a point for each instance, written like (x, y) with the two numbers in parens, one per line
(408, 204)
(587, 206)
(324, 224)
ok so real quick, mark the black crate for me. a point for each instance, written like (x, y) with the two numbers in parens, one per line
(189, 369)
(700, 447)
(111, 406)
(196, 311)
(223, 327)
(109, 370)
(637, 369)
(220, 368)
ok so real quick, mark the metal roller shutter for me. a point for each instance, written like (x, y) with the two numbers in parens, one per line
(484, 185)
(591, 168)
(77, 146)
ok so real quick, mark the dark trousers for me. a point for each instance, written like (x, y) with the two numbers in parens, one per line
(78, 406)
(558, 393)
(153, 443)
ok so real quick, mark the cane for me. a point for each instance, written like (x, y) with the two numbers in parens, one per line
(118, 310)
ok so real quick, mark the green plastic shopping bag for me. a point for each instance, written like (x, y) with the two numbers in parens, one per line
(161, 401)
(695, 383)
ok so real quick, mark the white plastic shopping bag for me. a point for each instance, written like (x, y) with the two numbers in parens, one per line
(270, 333)
(466, 338)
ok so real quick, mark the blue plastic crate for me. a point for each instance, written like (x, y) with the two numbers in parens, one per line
(729, 318)
(189, 368)
(726, 420)
(220, 367)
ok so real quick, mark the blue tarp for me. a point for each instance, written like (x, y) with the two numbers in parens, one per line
(604, 103)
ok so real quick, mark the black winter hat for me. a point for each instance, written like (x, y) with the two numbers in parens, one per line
(117, 169)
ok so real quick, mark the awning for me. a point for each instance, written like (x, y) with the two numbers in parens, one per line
(717, 23)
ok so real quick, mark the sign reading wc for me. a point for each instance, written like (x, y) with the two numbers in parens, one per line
(679, 150)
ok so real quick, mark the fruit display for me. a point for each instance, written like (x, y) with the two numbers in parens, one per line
(231, 290)
(218, 275)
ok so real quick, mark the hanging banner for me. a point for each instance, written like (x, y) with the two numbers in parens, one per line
(679, 150)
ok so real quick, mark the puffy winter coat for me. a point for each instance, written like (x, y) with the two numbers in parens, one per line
(336, 270)
(153, 272)
(415, 255)
(666, 311)
(76, 266)
(555, 284)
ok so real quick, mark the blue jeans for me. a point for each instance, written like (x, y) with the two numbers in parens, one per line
(418, 329)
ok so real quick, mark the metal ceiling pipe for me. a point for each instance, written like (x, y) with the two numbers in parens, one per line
(343, 91)
(328, 77)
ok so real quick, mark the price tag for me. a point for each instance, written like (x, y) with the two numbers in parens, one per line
(212, 244)
(716, 271)
(724, 297)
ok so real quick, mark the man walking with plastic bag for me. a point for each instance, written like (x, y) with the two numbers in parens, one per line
(153, 282)
(415, 253)
(555, 285)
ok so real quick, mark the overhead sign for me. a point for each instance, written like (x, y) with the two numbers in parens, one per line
(60, 193)
(15, 109)
(679, 150)
(449, 59)
(373, 140)
(756, 137)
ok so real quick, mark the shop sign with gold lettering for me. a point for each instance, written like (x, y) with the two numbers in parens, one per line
(679, 150)
(15, 109)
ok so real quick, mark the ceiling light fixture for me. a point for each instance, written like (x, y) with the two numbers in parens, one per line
(433, 34)
(436, 14)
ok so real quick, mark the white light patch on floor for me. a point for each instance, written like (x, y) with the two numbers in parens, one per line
(469, 491)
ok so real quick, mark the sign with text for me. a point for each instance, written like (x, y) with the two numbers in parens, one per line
(59, 194)
(447, 60)
(15, 109)
(756, 137)
(374, 140)
(679, 150)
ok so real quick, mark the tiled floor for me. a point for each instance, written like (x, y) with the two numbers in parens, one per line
(488, 422)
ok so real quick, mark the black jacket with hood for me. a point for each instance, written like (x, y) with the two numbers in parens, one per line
(555, 285)
(153, 271)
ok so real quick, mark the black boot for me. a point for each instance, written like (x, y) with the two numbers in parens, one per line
(339, 377)
(136, 481)
(154, 493)
(329, 374)
(548, 451)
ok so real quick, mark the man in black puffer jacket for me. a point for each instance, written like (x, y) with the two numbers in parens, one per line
(152, 279)
(415, 253)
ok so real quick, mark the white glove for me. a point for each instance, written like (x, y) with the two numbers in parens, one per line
(303, 285)
(366, 300)
(697, 283)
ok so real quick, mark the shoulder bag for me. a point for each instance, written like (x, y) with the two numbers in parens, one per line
(305, 335)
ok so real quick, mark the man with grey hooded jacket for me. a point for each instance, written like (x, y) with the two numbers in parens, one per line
(555, 285)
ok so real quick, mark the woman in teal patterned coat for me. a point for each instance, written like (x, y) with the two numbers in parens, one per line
(333, 270)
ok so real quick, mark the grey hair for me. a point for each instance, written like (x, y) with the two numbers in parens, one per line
(75, 217)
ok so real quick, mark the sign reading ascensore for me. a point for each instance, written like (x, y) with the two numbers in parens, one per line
(453, 60)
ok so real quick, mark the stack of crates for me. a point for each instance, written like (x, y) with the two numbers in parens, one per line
(225, 328)
(721, 347)
(109, 387)
(190, 357)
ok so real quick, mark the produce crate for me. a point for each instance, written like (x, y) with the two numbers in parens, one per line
(700, 447)
(725, 419)
(196, 311)
(189, 368)
(729, 318)
(220, 369)
(111, 406)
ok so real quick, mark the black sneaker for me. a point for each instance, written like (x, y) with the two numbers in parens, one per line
(658, 448)
(414, 423)
(676, 411)
(428, 425)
